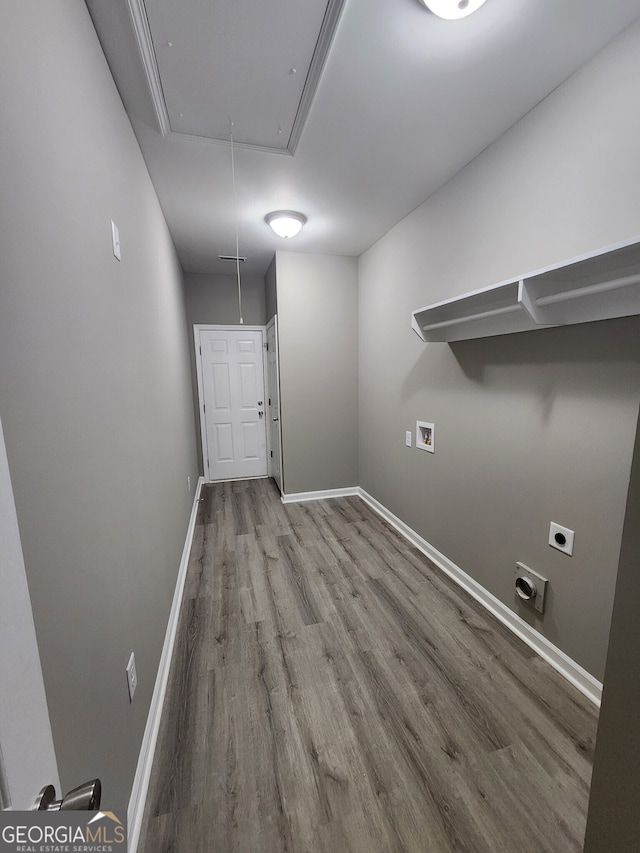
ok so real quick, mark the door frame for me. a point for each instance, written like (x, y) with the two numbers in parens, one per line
(223, 327)
(274, 322)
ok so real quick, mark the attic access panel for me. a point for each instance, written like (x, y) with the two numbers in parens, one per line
(252, 63)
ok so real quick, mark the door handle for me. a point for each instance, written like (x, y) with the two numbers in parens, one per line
(85, 798)
(276, 419)
(260, 414)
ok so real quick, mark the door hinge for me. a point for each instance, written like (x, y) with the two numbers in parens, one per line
(269, 400)
(272, 453)
(200, 348)
(204, 407)
(266, 346)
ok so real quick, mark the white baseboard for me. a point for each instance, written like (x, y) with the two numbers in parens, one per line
(298, 497)
(135, 810)
(573, 672)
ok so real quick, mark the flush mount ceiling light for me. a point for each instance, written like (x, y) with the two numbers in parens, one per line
(452, 9)
(286, 223)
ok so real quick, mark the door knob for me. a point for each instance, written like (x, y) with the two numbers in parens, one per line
(276, 419)
(85, 798)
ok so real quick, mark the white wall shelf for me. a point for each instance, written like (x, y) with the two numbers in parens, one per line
(599, 286)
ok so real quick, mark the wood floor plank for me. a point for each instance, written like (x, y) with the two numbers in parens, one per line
(294, 571)
(252, 589)
(332, 691)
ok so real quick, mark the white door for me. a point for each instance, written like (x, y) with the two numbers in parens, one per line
(232, 401)
(273, 403)
(27, 756)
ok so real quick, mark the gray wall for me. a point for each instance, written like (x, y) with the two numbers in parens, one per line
(614, 819)
(213, 300)
(317, 297)
(94, 389)
(532, 427)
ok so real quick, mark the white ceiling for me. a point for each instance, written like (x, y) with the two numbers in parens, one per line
(404, 101)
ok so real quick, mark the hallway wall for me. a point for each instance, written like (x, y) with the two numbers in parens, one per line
(317, 305)
(94, 387)
(614, 820)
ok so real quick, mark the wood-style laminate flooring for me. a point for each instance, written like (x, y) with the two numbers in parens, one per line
(333, 692)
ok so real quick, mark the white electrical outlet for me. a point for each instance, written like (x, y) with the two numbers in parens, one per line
(561, 538)
(132, 676)
(407, 438)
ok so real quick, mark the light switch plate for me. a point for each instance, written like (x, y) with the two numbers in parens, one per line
(407, 438)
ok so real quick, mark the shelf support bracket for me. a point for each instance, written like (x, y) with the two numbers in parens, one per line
(416, 327)
(529, 305)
